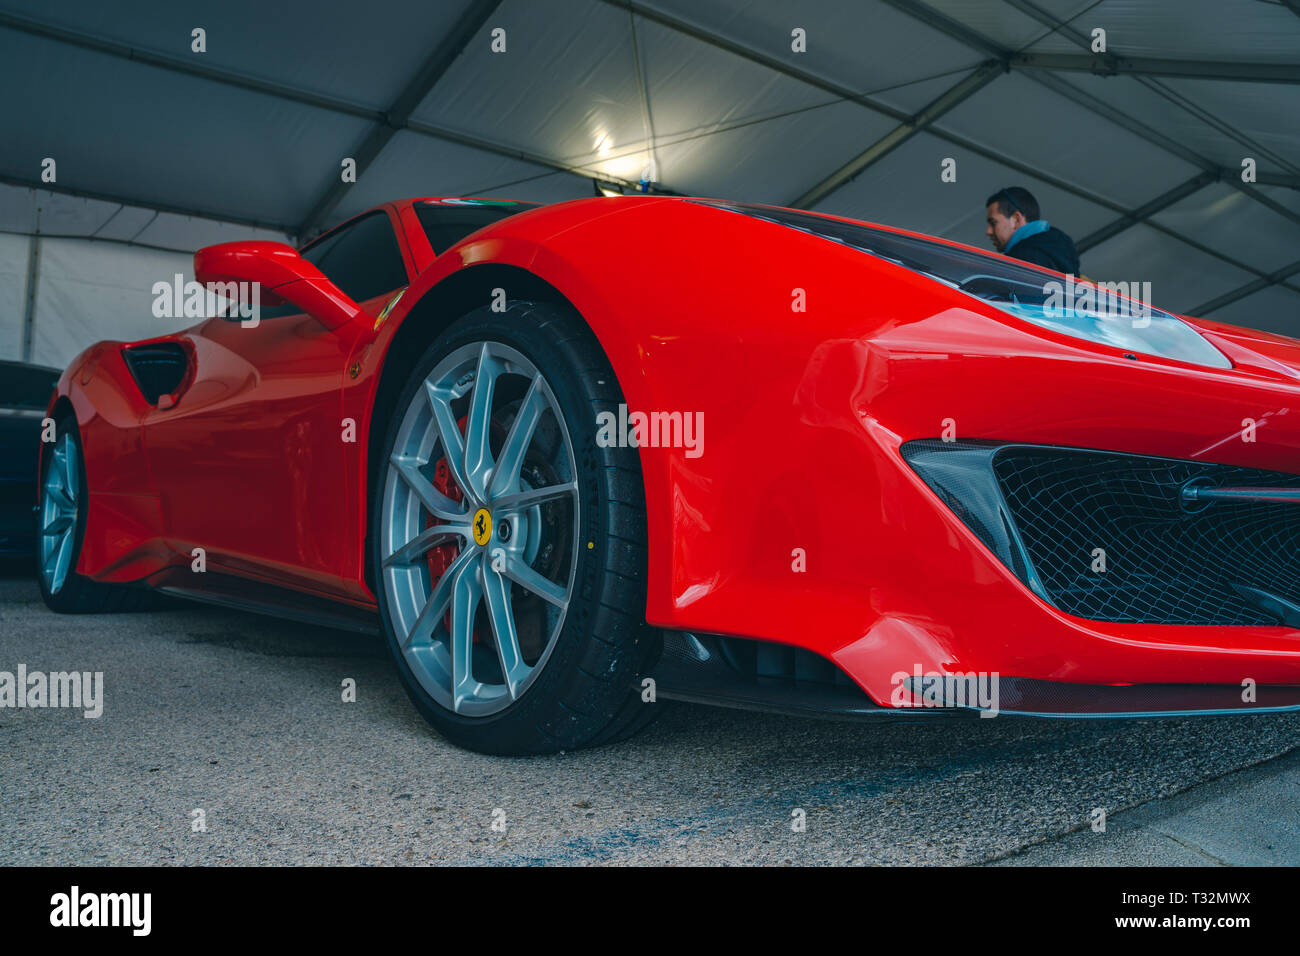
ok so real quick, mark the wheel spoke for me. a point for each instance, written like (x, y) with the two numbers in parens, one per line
(533, 496)
(505, 476)
(519, 572)
(61, 470)
(478, 427)
(449, 436)
(59, 525)
(436, 606)
(434, 501)
(51, 560)
(464, 602)
(64, 552)
(58, 472)
(70, 469)
(59, 497)
(426, 539)
(496, 597)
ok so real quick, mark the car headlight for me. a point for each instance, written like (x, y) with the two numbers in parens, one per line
(1150, 331)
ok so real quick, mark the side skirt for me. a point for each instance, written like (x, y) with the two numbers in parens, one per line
(242, 594)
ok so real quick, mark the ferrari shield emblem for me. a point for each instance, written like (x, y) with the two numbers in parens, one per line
(482, 526)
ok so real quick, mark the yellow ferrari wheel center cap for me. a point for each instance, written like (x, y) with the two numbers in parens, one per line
(482, 526)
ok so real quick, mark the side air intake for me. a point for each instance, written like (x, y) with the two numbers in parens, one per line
(159, 368)
(1129, 538)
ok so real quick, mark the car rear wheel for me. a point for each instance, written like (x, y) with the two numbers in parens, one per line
(508, 546)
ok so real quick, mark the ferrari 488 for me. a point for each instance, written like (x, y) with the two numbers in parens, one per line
(571, 460)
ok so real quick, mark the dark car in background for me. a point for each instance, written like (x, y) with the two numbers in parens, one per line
(25, 391)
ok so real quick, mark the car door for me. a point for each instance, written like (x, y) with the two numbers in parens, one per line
(249, 461)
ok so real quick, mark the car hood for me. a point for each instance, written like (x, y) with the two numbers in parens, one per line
(1251, 350)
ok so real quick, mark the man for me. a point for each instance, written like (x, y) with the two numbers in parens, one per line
(1016, 230)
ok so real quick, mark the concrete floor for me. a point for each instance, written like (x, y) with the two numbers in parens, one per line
(241, 716)
(1247, 818)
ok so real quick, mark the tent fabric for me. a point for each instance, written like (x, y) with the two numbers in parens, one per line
(13, 292)
(160, 149)
(83, 281)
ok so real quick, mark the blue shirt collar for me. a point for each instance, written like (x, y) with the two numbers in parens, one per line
(1024, 232)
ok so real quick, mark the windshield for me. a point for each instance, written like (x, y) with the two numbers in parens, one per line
(448, 221)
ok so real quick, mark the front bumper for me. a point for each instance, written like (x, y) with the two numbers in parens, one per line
(1087, 585)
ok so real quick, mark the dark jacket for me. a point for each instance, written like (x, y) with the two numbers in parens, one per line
(1052, 248)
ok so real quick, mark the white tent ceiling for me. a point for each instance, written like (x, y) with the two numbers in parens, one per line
(1137, 153)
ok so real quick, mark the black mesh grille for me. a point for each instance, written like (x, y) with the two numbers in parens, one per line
(1166, 563)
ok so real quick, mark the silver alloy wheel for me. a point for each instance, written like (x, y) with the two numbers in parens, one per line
(506, 524)
(59, 514)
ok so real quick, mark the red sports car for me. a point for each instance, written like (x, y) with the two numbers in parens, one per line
(573, 459)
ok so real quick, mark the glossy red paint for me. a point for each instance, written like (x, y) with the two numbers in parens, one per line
(804, 415)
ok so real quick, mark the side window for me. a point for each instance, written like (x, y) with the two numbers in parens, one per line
(363, 260)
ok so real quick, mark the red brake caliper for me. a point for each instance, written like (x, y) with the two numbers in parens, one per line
(440, 557)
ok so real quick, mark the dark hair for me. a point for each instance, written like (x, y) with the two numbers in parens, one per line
(1015, 199)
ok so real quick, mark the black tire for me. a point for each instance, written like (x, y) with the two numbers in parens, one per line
(588, 690)
(78, 594)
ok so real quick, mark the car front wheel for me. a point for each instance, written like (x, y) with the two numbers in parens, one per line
(508, 545)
